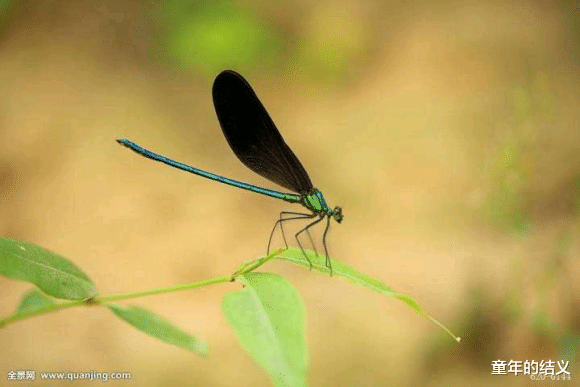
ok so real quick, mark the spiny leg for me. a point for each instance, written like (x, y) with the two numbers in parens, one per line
(306, 229)
(304, 216)
(312, 242)
(324, 244)
(279, 221)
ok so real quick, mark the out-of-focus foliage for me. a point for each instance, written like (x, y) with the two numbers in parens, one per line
(6, 8)
(211, 36)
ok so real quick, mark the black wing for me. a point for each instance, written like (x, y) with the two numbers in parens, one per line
(252, 134)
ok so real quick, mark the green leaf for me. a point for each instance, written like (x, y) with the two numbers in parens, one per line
(54, 275)
(34, 300)
(268, 318)
(156, 326)
(340, 269)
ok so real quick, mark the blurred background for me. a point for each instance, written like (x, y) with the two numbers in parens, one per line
(447, 131)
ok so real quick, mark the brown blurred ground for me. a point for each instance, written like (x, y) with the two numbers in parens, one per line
(451, 143)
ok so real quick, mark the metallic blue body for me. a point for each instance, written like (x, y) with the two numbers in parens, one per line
(313, 200)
